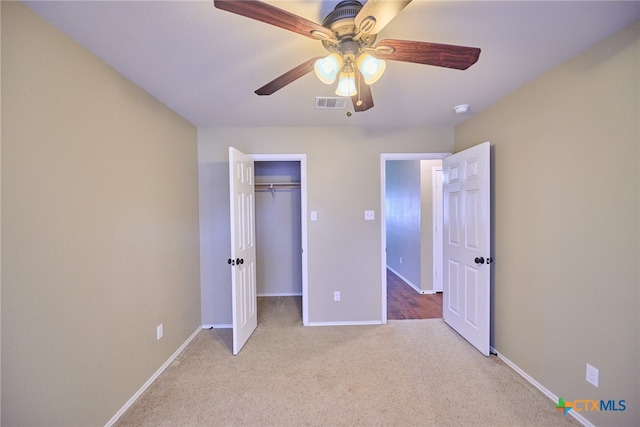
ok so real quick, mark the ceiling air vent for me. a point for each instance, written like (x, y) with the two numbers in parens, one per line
(331, 103)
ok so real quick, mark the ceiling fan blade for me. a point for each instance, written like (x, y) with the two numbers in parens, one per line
(363, 100)
(440, 55)
(288, 77)
(269, 14)
(376, 14)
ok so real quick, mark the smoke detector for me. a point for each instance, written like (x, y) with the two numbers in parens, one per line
(461, 109)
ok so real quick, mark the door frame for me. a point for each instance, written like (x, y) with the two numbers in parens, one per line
(302, 158)
(383, 212)
(438, 227)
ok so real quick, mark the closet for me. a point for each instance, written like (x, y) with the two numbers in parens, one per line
(278, 228)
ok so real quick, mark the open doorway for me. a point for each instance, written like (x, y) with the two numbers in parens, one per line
(280, 203)
(278, 229)
(412, 235)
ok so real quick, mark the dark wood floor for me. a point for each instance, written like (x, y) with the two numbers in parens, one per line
(403, 302)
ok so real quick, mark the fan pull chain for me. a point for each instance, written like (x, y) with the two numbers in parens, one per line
(359, 102)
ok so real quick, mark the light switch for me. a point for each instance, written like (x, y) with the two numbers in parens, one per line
(314, 216)
(369, 215)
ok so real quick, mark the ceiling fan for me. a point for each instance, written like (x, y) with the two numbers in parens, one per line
(349, 33)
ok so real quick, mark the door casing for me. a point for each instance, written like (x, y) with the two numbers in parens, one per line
(438, 228)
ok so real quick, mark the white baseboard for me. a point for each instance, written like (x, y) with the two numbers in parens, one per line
(218, 326)
(151, 380)
(582, 420)
(358, 323)
(408, 282)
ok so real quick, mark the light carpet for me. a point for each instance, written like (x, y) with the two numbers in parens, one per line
(405, 373)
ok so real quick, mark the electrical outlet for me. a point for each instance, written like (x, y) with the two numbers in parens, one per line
(159, 331)
(592, 375)
(336, 295)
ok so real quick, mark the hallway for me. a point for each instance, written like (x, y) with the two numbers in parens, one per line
(403, 302)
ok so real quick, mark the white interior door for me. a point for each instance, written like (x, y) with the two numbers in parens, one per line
(243, 247)
(466, 297)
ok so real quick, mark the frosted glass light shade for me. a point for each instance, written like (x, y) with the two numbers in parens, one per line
(327, 68)
(346, 84)
(371, 68)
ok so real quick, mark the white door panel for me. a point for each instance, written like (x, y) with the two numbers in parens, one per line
(466, 297)
(243, 249)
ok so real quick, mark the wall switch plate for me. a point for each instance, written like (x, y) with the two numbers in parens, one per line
(592, 375)
(336, 295)
(314, 216)
(369, 215)
(159, 331)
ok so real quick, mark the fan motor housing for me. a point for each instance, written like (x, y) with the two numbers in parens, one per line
(345, 10)
(341, 22)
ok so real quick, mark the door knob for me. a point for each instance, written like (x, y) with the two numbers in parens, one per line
(239, 261)
(231, 262)
(479, 260)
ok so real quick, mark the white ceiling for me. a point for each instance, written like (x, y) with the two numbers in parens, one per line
(205, 63)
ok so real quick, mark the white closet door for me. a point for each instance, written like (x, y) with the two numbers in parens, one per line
(243, 247)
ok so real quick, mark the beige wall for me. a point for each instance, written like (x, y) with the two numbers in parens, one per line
(99, 230)
(343, 174)
(566, 226)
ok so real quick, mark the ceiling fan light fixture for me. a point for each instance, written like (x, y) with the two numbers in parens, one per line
(346, 84)
(371, 68)
(349, 33)
(327, 68)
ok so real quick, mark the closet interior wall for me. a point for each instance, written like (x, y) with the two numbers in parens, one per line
(278, 228)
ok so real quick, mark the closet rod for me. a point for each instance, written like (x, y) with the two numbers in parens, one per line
(277, 184)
